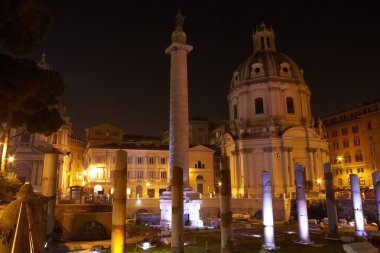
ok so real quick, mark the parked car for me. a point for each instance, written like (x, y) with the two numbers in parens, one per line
(98, 249)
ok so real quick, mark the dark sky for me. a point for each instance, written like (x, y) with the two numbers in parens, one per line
(111, 55)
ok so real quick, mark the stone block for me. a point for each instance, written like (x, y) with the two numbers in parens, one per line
(360, 247)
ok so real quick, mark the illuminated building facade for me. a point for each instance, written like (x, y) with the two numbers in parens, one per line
(353, 137)
(272, 127)
(148, 163)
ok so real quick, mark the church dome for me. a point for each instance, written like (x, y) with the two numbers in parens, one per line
(266, 64)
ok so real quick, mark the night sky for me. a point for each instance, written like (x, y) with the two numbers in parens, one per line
(111, 55)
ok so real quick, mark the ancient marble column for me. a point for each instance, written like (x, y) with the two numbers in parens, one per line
(225, 207)
(177, 239)
(303, 223)
(376, 186)
(49, 189)
(269, 243)
(179, 115)
(358, 206)
(330, 201)
(119, 203)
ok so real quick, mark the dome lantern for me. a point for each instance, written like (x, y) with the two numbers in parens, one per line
(264, 39)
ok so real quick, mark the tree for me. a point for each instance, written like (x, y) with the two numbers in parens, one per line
(9, 186)
(22, 26)
(28, 94)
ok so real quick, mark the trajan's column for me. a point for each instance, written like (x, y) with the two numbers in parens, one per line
(179, 128)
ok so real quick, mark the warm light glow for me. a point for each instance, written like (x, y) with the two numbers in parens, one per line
(339, 158)
(93, 172)
(112, 189)
(11, 159)
(319, 181)
(147, 184)
(128, 191)
(220, 183)
(138, 201)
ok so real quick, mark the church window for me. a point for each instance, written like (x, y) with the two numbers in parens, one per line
(25, 138)
(268, 42)
(235, 112)
(285, 69)
(55, 137)
(259, 106)
(199, 165)
(290, 105)
(262, 43)
(257, 70)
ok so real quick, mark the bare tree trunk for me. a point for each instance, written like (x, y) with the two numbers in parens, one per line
(7, 134)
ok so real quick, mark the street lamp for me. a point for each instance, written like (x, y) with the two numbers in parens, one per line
(11, 159)
(319, 181)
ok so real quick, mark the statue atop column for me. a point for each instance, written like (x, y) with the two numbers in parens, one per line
(179, 19)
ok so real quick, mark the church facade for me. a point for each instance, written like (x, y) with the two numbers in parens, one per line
(271, 124)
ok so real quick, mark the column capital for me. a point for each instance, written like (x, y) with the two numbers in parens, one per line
(176, 46)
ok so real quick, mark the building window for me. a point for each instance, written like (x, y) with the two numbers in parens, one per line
(338, 172)
(163, 160)
(139, 160)
(334, 133)
(345, 143)
(372, 151)
(349, 171)
(290, 105)
(360, 170)
(344, 131)
(370, 138)
(130, 160)
(361, 181)
(335, 145)
(358, 156)
(356, 141)
(347, 157)
(235, 112)
(259, 106)
(151, 160)
(355, 129)
(151, 175)
(199, 165)
(369, 125)
(164, 174)
(140, 174)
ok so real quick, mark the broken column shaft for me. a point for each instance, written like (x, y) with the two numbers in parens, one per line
(119, 203)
